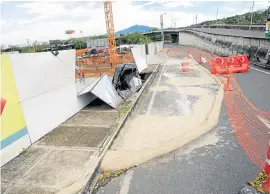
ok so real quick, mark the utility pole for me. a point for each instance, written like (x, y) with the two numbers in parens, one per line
(28, 44)
(161, 26)
(217, 14)
(81, 40)
(171, 21)
(251, 18)
(196, 21)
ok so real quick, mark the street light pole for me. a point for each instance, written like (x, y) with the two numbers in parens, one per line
(161, 25)
(196, 21)
(217, 14)
(28, 44)
(251, 18)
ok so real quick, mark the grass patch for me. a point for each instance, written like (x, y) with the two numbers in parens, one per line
(105, 177)
(123, 110)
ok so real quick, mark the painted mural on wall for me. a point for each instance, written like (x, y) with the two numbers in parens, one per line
(14, 135)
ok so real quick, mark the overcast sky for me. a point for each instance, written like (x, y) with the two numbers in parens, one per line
(42, 21)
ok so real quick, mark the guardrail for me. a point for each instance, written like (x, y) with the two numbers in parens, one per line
(256, 27)
(232, 26)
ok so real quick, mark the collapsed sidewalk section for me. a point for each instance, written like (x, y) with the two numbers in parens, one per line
(177, 108)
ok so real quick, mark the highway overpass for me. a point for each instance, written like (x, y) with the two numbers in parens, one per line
(216, 31)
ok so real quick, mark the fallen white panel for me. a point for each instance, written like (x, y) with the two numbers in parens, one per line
(86, 85)
(139, 60)
(105, 91)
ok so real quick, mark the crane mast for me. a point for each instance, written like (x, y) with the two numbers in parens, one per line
(110, 32)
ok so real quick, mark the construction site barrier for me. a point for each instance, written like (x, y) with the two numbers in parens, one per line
(266, 184)
(251, 126)
(236, 64)
(185, 66)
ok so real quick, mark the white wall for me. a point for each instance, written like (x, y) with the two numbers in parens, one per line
(143, 52)
(13, 150)
(38, 73)
(151, 48)
(140, 60)
(151, 58)
(46, 86)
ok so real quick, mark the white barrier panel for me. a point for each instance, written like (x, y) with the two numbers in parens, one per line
(14, 135)
(37, 73)
(139, 60)
(151, 48)
(143, 52)
(46, 86)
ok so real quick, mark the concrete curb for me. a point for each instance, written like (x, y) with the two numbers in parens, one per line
(86, 184)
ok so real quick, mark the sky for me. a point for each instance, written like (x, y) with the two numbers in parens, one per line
(48, 20)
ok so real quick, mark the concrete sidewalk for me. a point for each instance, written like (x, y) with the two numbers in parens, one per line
(63, 160)
(177, 108)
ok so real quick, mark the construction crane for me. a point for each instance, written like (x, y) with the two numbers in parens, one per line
(110, 32)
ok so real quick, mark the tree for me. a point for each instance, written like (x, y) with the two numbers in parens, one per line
(79, 44)
(258, 18)
(41, 48)
(154, 29)
(156, 38)
(135, 38)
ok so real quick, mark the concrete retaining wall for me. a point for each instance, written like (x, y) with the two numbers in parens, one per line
(225, 45)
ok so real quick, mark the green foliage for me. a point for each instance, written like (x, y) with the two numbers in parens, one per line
(99, 36)
(258, 18)
(78, 43)
(135, 38)
(124, 110)
(156, 38)
(40, 48)
(154, 29)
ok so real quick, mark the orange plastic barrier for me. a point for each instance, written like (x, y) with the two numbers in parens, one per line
(236, 64)
(185, 66)
(219, 65)
(243, 59)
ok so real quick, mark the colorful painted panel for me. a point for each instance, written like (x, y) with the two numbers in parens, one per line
(14, 135)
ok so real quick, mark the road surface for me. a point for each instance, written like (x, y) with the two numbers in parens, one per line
(213, 164)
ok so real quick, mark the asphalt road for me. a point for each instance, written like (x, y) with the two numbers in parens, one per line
(213, 164)
(232, 32)
(256, 87)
